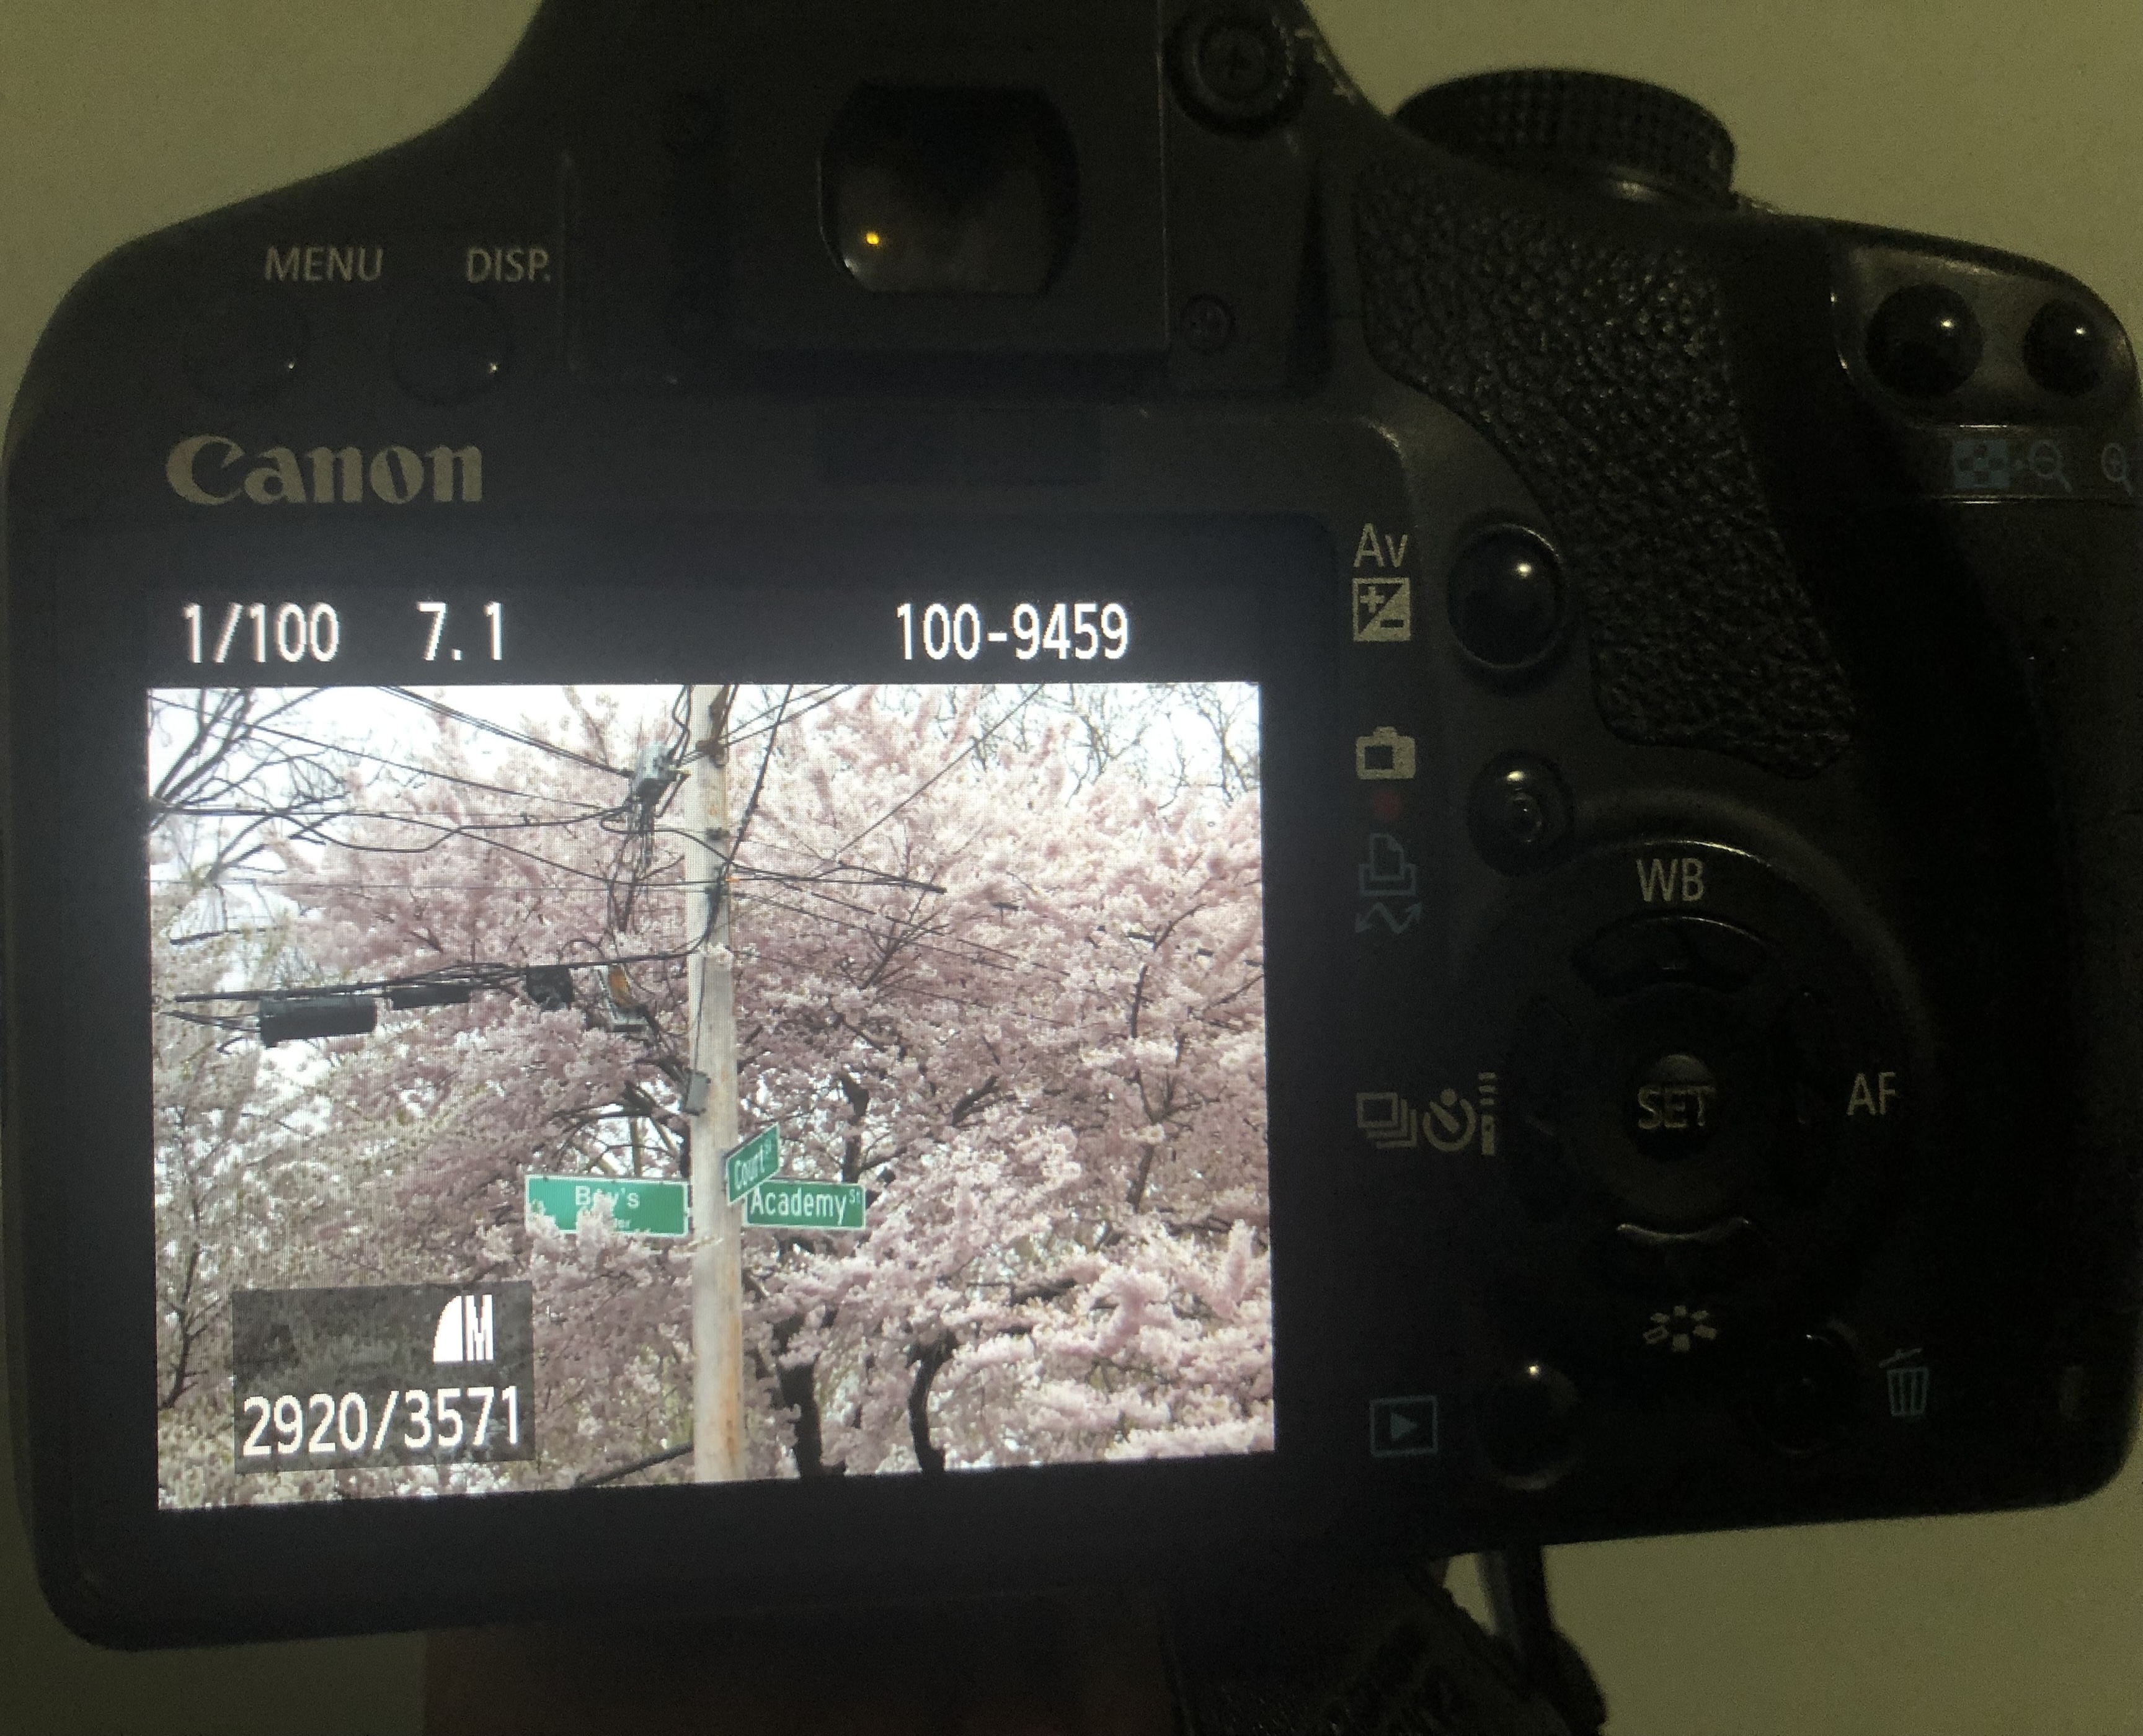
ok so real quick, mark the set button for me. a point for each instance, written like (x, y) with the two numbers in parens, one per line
(1662, 1091)
(1673, 1107)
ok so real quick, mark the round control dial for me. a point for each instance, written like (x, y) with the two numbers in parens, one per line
(1624, 135)
(1701, 1102)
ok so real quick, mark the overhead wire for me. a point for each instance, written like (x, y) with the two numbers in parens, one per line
(443, 709)
(911, 934)
(923, 789)
(433, 773)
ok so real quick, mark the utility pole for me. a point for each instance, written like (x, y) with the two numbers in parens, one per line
(717, 1225)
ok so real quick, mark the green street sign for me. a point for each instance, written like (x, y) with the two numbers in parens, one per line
(805, 1205)
(638, 1205)
(752, 1162)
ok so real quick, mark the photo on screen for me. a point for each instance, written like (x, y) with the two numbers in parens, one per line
(421, 1091)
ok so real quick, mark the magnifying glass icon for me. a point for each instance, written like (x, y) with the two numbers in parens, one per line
(2046, 462)
(2114, 462)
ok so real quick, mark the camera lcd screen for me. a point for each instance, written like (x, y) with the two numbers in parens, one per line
(432, 985)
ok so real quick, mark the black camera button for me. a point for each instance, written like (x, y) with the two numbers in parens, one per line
(1673, 1106)
(449, 348)
(1507, 601)
(1528, 1427)
(1647, 950)
(2064, 349)
(1924, 341)
(1518, 812)
(245, 346)
(1808, 1393)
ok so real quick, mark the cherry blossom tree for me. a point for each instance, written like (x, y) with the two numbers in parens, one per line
(999, 962)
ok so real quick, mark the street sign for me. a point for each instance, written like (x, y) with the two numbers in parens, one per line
(639, 1206)
(751, 1163)
(805, 1205)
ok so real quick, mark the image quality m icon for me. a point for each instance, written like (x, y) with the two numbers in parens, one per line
(464, 1332)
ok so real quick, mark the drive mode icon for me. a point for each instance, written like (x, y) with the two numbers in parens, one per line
(1401, 1428)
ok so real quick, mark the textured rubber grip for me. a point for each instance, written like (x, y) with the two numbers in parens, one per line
(1598, 368)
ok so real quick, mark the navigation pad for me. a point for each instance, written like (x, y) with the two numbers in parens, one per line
(1704, 1107)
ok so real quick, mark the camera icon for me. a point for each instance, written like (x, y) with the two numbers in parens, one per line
(1382, 754)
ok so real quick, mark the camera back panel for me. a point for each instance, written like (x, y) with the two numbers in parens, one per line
(1691, 658)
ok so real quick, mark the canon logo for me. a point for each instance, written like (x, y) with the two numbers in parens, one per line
(205, 469)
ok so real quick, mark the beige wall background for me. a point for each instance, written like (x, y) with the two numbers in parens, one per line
(2016, 126)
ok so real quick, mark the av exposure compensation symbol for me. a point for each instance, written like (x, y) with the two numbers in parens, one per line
(1383, 609)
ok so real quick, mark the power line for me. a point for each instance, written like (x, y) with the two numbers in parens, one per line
(313, 832)
(1012, 1009)
(814, 696)
(468, 824)
(373, 886)
(922, 790)
(827, 696)
(475, 974)
(812, 890)
(914, 939)
(500, 729)
(400, 765)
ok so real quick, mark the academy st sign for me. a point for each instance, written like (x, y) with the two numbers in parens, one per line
(211, 470)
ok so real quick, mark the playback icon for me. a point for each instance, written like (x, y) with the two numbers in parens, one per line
(1402, 1428)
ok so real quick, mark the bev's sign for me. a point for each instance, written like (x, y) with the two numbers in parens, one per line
(639, 1206)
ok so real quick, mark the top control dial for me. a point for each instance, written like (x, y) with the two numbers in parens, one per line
(1636, 139)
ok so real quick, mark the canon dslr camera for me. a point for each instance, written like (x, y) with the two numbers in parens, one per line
(882, 797)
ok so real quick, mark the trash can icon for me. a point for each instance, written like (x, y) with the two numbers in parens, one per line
(1909, 1386)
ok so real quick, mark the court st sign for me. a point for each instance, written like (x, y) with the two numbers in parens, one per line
(754, 1161)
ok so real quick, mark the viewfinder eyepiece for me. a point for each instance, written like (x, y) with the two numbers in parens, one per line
(950, 191)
